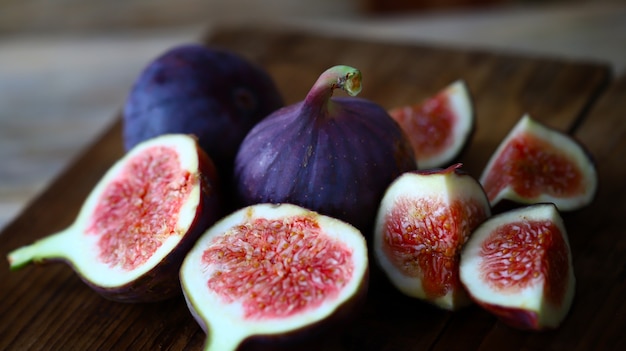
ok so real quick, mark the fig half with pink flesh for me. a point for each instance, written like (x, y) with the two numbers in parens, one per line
(268, 273)
(536, 164)
(439, 127)
(518, 266)
(137, 224)
(423, 222)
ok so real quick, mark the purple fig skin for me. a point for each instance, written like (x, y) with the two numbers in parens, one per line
(335, 155)
(515, 317)
(214, 94)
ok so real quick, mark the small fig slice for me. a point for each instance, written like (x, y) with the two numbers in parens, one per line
(268, 273)
(423, 222)
(333, 155)
(535, 164)
(134, 229)
(518, 266)
(439, 127)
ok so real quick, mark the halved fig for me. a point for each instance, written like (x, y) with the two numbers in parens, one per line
(423, 222)
(535, 164)
(270, 272)
(518, 266)
(439, 127)
(134, 229)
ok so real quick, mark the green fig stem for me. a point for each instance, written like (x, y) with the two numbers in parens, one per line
(221, 338)
(49, 247)
(341, 77)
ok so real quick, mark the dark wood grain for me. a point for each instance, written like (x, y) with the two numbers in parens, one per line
(49, 307)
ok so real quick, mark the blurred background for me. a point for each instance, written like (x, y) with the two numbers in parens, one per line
(67, 65)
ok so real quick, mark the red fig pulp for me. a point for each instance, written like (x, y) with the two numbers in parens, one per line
(332, 155)
(267, 272)
(136, 226)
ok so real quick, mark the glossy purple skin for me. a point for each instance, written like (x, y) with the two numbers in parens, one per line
(193, 89)
(338, 164)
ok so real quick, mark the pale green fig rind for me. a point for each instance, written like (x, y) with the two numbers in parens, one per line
(46, 249)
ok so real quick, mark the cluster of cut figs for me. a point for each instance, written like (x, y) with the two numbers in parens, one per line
(264, 214)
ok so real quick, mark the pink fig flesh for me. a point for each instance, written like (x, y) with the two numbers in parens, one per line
(324, 264)
(154, 182)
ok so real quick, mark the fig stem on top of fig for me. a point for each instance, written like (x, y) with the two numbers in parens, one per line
(341, 77)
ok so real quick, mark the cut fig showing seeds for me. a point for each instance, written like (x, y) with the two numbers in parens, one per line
(423, 222)
(271, 272)
(536, 164)
(439, 127)
(518, 266)
(134, 229)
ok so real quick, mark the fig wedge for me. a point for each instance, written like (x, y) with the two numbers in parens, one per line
(137, 224)
(269, 274)
(536, 164)
(423, 222)
(439, 127)
(518, 266)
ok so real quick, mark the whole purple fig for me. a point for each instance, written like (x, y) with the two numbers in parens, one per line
(213, 93)
(334, 155)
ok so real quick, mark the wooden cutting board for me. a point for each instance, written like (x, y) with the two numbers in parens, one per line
(50, 308)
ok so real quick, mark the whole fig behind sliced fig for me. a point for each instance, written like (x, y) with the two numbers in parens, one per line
(138, 223)
(334, 155)
(269, 274)
(212, 93)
